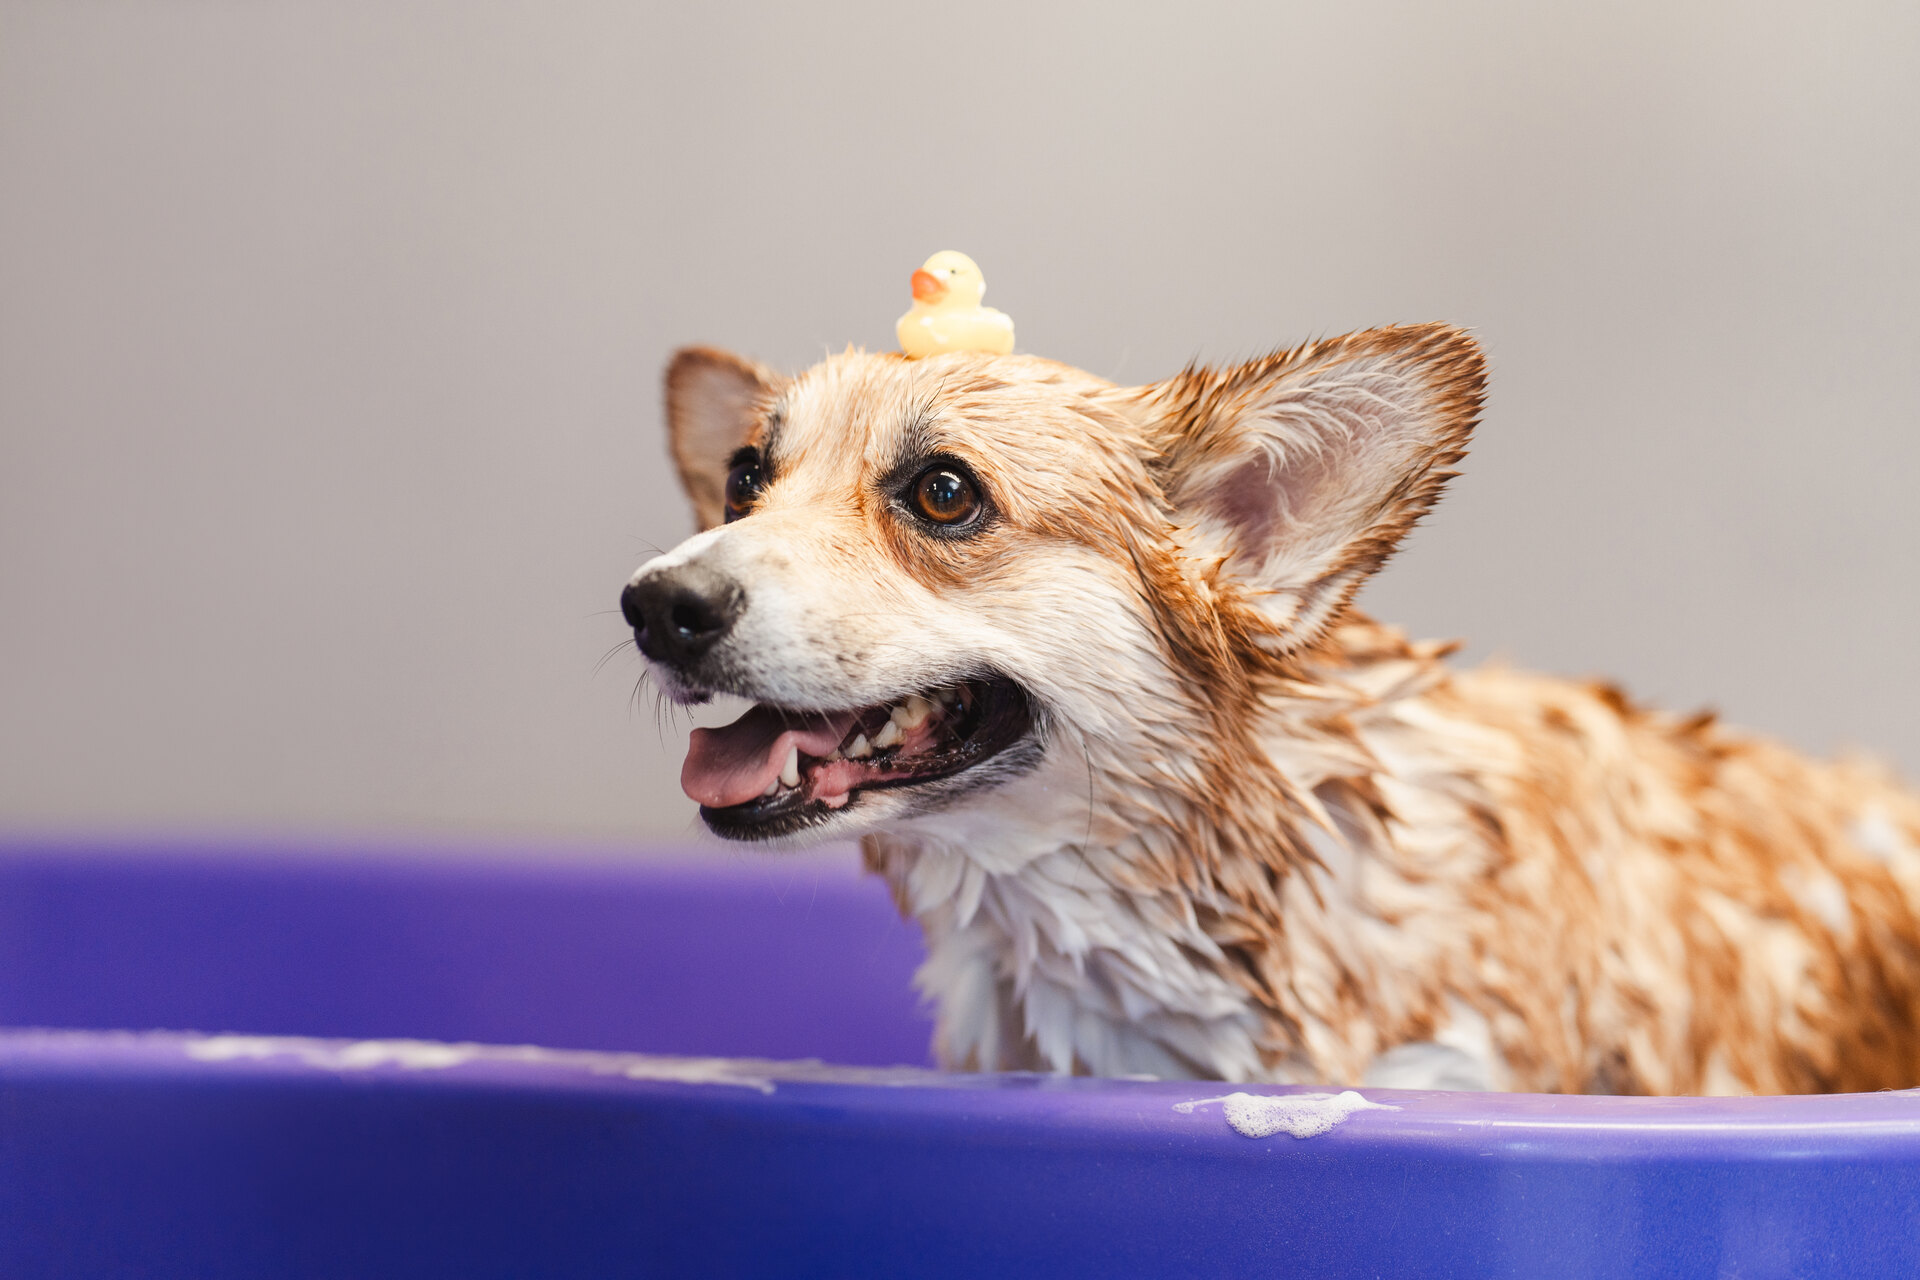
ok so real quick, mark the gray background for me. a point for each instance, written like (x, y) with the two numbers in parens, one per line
(330, 336)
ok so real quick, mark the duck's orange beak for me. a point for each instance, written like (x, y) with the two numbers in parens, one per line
(927, 287)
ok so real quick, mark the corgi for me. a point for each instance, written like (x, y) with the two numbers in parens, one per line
(1079, 666)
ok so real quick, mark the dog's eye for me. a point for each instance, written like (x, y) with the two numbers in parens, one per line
(743, 486)
(945, 495)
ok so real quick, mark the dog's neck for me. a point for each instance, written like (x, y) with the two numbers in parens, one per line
(1128, 911)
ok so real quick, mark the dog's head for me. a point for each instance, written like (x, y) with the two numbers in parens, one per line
(947, 577)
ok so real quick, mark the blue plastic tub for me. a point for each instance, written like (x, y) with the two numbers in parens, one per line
(369, 1153)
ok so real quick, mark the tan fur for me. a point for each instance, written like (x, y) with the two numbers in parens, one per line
(1271, 838)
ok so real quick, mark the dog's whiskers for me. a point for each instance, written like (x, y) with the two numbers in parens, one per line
(625, 646)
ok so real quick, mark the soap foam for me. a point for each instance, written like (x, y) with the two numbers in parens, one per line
(1304, 1115)
(759, 1074)
(433, 1055)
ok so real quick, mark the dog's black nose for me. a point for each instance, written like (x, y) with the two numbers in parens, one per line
(679, 615)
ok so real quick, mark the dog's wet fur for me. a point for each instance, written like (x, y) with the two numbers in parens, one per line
(1166, 803)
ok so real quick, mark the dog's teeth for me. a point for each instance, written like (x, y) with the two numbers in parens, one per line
(860, 748)
(947, 697)
(889, 736)
(773, 788)
(832, 755)
(790, 771)
(913, 713)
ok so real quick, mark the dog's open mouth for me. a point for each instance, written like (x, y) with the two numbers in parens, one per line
(773, 770)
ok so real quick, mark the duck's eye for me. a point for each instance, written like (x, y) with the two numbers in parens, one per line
(743, 486)
(946, 495)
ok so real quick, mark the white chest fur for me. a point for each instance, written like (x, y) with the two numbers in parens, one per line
(1049, 967)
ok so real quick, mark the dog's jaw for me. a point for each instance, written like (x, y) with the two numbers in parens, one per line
(779, 775)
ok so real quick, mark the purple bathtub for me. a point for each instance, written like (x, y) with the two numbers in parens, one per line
(246, 1061)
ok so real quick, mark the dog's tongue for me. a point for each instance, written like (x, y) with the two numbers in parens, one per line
(735, 764)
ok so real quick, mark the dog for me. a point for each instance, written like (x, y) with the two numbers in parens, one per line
(1079, 665)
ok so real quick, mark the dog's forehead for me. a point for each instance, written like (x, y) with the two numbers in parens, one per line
(843, 410)
(871, 412)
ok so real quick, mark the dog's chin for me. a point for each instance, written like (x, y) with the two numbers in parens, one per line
(974, 735)
(677, 689)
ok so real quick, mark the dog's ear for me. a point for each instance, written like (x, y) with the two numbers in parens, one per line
(1303, 470)
(714, 398)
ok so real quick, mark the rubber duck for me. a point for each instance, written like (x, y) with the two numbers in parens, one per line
(946, 314)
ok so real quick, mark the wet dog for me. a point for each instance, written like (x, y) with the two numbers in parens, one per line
(1078, 665)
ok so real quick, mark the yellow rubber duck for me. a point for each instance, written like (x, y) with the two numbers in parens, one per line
(946, 314)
